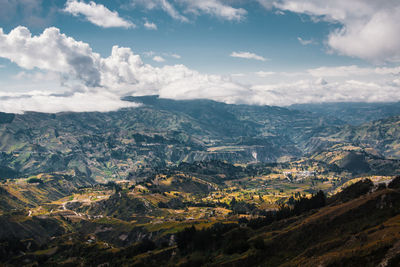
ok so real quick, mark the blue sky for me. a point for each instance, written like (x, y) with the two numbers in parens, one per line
(256, 52)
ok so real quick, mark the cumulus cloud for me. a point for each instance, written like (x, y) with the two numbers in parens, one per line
(369, 29)
(86, 74)
(51, 51)
(90, 82)
(248, 55)
(150, 25)
(215, 8)
(97, 14)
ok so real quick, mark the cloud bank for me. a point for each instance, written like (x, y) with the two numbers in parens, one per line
(89, 82)
(77, 102)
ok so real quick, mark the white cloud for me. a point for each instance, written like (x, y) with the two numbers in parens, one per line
(369, 28)
(248, 55)
(51, 51)
(215, 8)
(150, 25)
(158, 59)
(97, 14)
(161, 4)
(85, 73)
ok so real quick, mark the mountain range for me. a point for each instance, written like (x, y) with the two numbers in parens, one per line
(162, 132)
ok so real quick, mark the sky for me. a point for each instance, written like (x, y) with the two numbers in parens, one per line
(79, 55)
